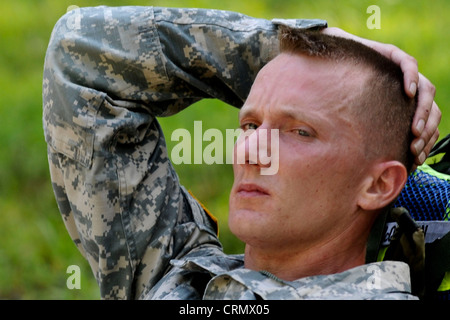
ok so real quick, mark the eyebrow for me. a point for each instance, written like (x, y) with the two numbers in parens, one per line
(284, 112)
(245, 111)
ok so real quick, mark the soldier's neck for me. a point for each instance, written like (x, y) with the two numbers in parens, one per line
(344, 252)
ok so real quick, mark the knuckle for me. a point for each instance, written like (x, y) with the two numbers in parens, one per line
(438, 112)
(392, 48)
(436, 135)
(412, 60)
(429, 87)
(434, 120)
(433, 89)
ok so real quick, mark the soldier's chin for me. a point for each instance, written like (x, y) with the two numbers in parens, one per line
(247, 225)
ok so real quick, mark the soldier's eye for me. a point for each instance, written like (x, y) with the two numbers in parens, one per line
(303, 133)
(249, 126)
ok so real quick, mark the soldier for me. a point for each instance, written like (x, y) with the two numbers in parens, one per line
(109, 72)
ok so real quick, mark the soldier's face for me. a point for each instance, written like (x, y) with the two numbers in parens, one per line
(321, 164)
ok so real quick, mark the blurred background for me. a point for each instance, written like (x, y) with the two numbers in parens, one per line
(35, 249)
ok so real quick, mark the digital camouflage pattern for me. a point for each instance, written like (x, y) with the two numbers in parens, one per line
(108, 73)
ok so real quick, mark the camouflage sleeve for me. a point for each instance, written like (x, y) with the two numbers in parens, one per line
(108, 73)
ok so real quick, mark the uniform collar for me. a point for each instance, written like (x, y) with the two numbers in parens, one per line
(363, 282)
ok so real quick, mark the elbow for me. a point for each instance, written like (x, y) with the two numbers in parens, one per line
(62, 41)
(71, 42)
(67, 27)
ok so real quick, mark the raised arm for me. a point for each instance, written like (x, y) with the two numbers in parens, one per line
(108, 72)
(151, 60)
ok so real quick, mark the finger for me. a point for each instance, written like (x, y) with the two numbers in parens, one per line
(421, 146)
(432, 124)
(410, 70)
(406, 62)
(426, 107)
(419, 160)
(430, 132)
(432, 142)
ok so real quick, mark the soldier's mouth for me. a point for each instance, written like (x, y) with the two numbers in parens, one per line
(251, 190)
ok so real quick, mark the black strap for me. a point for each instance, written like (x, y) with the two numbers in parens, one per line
(437, 253)
(408, 245)
(376, 237)
(437, 263)
(443, 146)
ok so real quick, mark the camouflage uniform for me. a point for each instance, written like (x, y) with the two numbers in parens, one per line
(108, 73)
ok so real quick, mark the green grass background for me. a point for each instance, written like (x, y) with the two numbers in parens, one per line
(35, 249)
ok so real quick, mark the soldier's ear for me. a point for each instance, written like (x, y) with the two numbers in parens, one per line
(382, 185)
